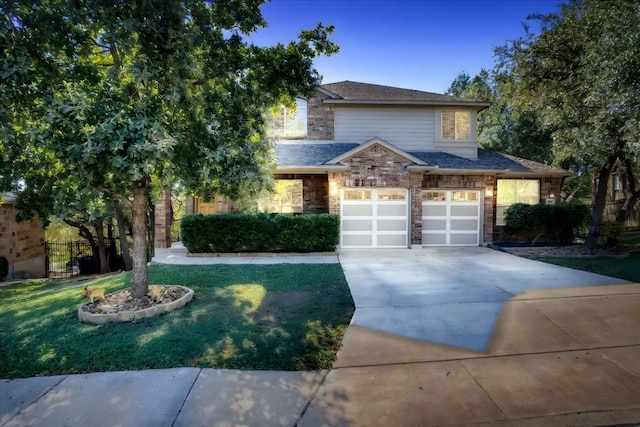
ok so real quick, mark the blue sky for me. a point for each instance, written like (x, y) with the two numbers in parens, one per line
(416, 44)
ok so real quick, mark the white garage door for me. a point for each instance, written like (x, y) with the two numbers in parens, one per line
(450, 218)
(374, 218)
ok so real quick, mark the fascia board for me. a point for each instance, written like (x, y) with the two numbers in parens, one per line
(315, 169)
(480, 105)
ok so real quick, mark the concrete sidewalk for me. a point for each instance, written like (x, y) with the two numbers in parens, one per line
(556, 357)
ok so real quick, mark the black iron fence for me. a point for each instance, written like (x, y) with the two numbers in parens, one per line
(68, 259)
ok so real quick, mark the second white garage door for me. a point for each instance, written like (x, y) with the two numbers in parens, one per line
(374, 218)
(450, 218)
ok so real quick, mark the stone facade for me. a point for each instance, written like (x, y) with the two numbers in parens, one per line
(319, 120)
(162, 221)
(22, 244)
(315, 192)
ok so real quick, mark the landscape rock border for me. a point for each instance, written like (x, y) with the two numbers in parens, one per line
(134, 315)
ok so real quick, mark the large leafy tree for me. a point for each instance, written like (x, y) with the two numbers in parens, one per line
(579, 76)
(507, 126)
(125, 94)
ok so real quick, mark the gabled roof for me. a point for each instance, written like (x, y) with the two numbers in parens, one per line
(370, 143)
(320, 157)
(348, 92)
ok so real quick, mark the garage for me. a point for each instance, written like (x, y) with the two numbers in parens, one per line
(374, 218)
(450, 218)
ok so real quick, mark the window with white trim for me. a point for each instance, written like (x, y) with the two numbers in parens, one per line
(511, 191)
(286, 197)
(456, 125)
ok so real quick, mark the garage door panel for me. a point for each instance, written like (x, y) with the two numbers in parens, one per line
(361, 240)
(392, 210)
(392, 225)
(464, 224)
(393, 240)
(357, 225)
(451, 218)
(434, 224)
(431, 210)
(374, 218)
(463, 239)
(357, 210)
(464, 210)
(439, 239)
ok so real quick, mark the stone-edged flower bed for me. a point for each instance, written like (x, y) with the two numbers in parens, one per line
(120, 306)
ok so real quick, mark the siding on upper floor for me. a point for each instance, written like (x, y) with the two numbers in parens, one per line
(411, 129)
(408, 128)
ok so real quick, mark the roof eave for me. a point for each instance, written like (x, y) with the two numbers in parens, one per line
(481, 105)
(502, 172)
(311, 169)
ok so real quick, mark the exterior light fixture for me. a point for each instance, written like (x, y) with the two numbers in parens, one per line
(333, 188)
(488, 191)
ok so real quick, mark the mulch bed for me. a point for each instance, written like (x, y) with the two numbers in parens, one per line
(123, 301)
(568, 251)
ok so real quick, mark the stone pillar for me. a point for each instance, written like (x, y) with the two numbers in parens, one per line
(163, 216)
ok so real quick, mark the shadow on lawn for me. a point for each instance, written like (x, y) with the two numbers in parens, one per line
(227, 325)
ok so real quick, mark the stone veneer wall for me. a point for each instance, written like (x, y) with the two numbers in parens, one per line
(319, 120)
(162, 221)
(315, 192)
(23, 244)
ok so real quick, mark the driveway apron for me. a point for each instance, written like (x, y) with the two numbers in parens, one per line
(449, 296)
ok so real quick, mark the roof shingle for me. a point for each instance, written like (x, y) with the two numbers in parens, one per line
(354, 91)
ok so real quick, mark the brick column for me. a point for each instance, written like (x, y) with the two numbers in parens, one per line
(416, 208)
(163, 221)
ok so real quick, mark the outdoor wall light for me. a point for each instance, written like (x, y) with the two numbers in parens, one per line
(488, 191)
(333, 188)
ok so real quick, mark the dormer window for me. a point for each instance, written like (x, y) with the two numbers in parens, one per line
(456, 125)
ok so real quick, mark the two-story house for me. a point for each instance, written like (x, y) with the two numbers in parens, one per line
(401, 167)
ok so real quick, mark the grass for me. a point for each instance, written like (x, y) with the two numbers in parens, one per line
(630, 238)
(623, 268)
(276, 317)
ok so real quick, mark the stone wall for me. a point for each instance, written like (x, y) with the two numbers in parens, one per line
(22, 244)
(319, 120)
(315, 192)
(162, 221)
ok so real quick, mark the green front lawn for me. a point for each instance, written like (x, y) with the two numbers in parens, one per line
(277, 317)
(624, 268)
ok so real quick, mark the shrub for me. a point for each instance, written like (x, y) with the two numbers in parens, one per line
(260, 233)
(610, 232)
(4, 268)
(561, 219)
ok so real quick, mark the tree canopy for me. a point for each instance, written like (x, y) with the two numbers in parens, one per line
(569, 93)
(119, 96)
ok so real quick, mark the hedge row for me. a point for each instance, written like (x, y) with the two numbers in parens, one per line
(260, 233)
(561, 220)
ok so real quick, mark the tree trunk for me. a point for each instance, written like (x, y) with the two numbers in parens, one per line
(104, 265)
(599, 204)
(140, 281)
(122, 231)
(632, 199)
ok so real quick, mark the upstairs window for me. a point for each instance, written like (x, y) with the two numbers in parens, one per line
(287, 122)
(456, 125)
(512, 191)
(286, 197)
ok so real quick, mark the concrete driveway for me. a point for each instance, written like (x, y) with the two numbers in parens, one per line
(449, 295)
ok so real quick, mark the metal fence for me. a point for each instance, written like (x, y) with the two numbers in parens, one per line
(68, 259)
